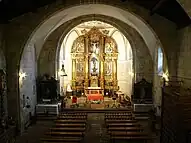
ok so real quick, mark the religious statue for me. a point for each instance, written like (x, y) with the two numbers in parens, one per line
(94, 69)
(94, 48)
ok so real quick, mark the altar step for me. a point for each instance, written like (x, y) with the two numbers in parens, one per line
(96, 110)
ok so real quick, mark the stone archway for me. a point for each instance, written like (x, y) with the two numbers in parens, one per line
(134, 38)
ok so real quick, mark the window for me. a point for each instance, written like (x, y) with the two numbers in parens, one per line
(160, 62)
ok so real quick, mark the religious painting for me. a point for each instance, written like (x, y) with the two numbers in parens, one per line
(80, 67)
(108, 67)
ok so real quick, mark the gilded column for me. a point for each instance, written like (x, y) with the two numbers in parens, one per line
(86, 84)
(74, 73)
(102, 62)
(114, 61)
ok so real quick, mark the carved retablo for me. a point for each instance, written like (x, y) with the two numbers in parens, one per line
(94, 61)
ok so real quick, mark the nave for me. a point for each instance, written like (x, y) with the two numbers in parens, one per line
(101, 127)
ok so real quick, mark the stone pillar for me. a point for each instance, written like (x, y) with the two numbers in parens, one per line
(13, 98)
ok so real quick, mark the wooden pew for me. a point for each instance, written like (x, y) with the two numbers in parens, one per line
(127, 133)
(126, 113)
(74, 113)
(69, 129)
(120, 121)
(122, 124)
(119, 115)
(119, 118)
(129, 139)
(116, 136)
(70, 118)
(70, 121)
(65, 134)
(133, 128)
(50, 139)
(70, 125)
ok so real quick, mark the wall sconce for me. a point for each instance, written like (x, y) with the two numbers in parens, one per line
(22, 75)
(165, 76)
(62, 71)
(131, 73)
(21, 78)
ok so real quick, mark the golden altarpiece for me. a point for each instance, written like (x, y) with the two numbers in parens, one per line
(94, 61)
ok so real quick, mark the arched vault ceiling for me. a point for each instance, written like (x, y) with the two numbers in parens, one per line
(54, 40)
(68, 14)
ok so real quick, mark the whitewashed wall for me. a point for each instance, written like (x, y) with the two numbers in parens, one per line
(124, 63)
(28, 84)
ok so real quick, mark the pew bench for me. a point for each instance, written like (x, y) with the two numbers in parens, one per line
(70, 121)
(74, 117)
(68, 129)
(116, 114)
(61, 139)
(70, 125)
(66, 134)
(119, 118)
(134, 128)
(73, 113)
(127, 133)
(120, 121)
(127, 139)
(123, 124)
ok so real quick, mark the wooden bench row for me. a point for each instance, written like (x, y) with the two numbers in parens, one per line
(123, 127)
(49, 139)
(67, 128)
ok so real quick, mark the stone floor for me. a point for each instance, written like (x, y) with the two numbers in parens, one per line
(34, 132)
(96, 131)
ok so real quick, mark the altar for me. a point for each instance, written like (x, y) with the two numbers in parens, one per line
(94, 94)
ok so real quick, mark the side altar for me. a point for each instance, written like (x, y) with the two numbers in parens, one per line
(94, 94)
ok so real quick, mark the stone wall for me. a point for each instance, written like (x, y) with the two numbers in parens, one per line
(3, 62)
(184, 65)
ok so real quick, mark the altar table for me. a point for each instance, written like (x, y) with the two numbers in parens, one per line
(95, 97)
(94, 93)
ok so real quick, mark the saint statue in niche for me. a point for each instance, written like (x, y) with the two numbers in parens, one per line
(94, 48)
(94, 66)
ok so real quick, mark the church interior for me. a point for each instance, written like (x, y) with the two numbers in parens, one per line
(112, 71)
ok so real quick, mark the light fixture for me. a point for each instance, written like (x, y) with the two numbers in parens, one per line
(131, 73)
(62, 71)
(22, 75)
(165, 76)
